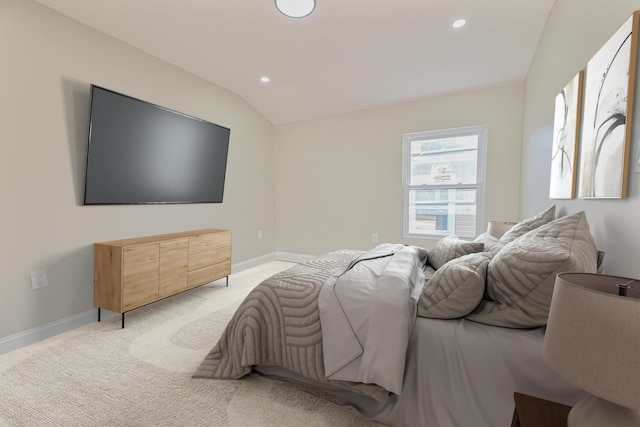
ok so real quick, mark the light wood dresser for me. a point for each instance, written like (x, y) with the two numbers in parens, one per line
(130, 273)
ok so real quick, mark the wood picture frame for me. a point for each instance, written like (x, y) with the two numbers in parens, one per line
(566, 128)
(605, 134)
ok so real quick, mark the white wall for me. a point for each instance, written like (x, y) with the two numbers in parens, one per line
(47, 63)
(575, 31)
(339, 178)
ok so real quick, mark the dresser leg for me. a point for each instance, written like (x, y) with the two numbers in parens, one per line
(98, 314)
(227, 281)
(122, 320)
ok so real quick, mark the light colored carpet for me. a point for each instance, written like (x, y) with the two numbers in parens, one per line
(102, 375)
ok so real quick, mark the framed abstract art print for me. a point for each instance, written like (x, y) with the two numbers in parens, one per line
(606, 121)
(564, 154)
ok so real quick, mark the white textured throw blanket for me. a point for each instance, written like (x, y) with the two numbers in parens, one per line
(367, 313)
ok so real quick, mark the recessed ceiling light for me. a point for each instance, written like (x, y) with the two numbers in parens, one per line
(459, 23)
(265, 79)
(296, 8)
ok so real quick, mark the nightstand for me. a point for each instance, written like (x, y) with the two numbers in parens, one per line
(535, 412)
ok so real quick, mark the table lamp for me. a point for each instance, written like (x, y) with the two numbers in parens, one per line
(593, 341)
(498, 228)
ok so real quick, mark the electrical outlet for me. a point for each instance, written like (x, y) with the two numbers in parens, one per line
(374, 238)
(39, 279)
(259, 234)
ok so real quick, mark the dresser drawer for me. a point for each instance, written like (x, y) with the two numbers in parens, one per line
(208, 242)
(209, 274)
(203, 259)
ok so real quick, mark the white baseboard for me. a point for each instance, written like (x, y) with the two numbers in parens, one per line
(253, 262)
(274, 256)
(291, 257)
(31, 336)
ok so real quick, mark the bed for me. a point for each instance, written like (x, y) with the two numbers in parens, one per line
(445, 335)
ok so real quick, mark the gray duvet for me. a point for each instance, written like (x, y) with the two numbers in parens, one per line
(278, 324)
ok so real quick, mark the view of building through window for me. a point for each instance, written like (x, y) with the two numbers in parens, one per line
(442, 182)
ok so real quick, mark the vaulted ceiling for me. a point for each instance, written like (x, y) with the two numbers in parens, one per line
(346, 56)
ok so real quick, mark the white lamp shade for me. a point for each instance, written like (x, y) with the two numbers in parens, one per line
(498, 228)
(593, 336)
(295, 8)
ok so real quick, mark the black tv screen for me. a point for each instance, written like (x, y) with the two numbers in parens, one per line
(142, 153)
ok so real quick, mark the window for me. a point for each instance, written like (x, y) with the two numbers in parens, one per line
(443, 173)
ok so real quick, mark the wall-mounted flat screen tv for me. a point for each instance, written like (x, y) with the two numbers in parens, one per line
(141, 153)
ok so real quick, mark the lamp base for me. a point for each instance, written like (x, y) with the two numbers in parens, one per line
(595, 412)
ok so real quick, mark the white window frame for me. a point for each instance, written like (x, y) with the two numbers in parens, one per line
(481, 132)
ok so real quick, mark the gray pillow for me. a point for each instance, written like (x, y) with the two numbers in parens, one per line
(491, 243)
(520, 278)
(456, 288)
(525, 226)
(451, 247)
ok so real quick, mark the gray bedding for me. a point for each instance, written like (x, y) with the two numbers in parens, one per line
(457, 373)
(367, 314)
(278, 324)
